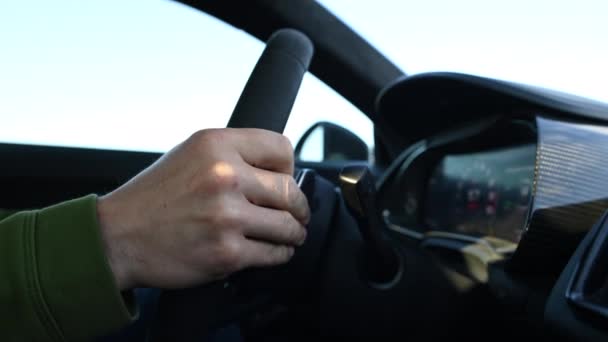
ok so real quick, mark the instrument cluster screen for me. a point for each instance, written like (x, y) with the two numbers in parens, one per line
(482, 194)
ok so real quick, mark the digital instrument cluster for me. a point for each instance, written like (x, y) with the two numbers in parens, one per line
(482, 193)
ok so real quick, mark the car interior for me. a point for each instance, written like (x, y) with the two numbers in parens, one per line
(481, 216)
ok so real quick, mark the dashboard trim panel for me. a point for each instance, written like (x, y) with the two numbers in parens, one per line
(566, 199)
(570, 194)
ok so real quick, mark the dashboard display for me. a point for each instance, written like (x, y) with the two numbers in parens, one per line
(483, 194)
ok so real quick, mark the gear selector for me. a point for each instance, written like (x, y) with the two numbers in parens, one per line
(381, 264)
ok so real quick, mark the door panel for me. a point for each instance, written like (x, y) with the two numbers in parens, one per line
(36, 176)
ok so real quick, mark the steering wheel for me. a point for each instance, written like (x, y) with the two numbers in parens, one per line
(266, 102)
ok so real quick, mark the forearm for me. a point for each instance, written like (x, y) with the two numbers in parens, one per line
(55, 283)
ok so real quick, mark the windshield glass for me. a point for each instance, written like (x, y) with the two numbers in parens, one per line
(555, 44)
(134, 75)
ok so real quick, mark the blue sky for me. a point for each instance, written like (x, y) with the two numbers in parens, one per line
(144, 74)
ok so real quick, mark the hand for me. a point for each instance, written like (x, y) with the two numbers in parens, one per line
(221, 201)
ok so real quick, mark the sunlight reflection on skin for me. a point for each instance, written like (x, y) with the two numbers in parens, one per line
(225, 174)
(223, 169)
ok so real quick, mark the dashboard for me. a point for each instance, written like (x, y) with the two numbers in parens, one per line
(529, 188)
(474, 184)
(484, 193)
(513, 202)
(501, 190)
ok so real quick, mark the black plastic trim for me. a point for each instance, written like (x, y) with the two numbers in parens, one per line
(588, 287)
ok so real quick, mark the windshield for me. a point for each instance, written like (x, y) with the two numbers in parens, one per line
(145, 74)
(134, 75)
(555, 44)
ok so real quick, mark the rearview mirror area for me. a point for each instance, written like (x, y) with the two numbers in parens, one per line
(325, 141)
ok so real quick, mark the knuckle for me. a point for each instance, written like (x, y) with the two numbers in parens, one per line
(291, 191)
(201, 137)
(205, 139)
(303, 235)
(228, 254)
(224, 176)
(295, 233)
(285, 144)
(198, 135)
(281, 254)
(280, 144)
(226, 216)
(299, 235)
(287, 220)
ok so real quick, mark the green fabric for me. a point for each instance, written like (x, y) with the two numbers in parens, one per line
(55, 281)
(5, 213)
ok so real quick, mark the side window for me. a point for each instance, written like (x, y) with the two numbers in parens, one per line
(133, 75)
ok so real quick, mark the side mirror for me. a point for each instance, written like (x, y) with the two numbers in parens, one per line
(325, 141)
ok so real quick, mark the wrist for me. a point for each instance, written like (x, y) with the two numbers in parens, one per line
(113, 243)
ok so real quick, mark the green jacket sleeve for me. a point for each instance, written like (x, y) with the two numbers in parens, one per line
(4, 213)
(55, 281)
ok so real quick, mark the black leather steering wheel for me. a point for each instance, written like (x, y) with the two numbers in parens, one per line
(266, 102)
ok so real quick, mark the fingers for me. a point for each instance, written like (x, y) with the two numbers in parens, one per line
(264, 149)
(274, 226)
(262, 254)
(278, 191)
